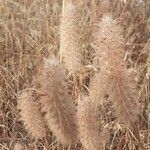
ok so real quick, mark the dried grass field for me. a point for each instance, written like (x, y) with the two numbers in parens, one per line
(74, 74)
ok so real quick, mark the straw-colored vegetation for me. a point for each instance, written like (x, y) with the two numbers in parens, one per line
(74, 74)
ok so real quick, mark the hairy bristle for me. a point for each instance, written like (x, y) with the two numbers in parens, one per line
(99, 8)
(18, 146)
(57, 103)
(114, 77)
(31, 116)
(69, 37)
(96, 92)
(107, 40)
(105, 6)
(124, 95)
(88, 125)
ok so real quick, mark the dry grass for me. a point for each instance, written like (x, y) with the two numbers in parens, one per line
(113, 64)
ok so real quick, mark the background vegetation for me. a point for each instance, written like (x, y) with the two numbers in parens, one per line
(30, 32)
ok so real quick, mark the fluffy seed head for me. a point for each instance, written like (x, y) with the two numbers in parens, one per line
(30, 115)
(69, 37)
(56, 101)
(114, 78)
(88, 125)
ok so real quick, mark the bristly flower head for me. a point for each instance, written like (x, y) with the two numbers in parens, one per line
(69, 37)
(31, 115)
(114, 78)
(56, 102)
